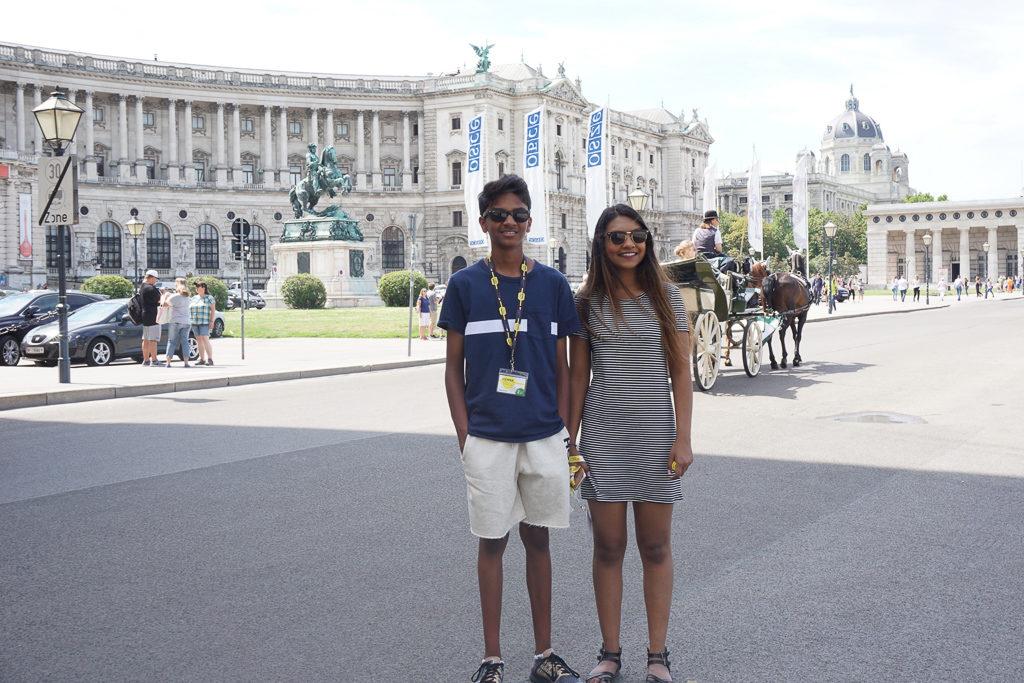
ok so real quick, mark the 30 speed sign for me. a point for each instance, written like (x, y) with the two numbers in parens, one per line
(57, 190)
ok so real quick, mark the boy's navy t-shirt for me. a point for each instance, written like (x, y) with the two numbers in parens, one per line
(549, 313)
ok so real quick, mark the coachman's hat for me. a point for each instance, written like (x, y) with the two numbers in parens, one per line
(710, 215)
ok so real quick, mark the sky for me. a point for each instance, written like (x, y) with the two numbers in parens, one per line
(944, 80)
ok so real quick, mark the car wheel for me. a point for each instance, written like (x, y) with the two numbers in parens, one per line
(193, 348)
(137, 359)
(100, 352)
(10, 352)
(218, 328)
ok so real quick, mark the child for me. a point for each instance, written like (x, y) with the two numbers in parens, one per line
(507, 380)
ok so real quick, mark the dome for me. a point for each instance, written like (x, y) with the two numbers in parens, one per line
(880, 147)
(852, 124)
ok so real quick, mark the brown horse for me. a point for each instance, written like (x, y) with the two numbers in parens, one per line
(789, 297)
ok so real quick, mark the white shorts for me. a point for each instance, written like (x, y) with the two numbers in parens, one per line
(424, 319)
(508, 483)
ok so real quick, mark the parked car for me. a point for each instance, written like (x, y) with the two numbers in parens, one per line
(252, 299)
(9, 292)
(97, 334)
(20, 313)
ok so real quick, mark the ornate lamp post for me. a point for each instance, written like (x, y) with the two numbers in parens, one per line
(927, 238)
(830, 233)
(58, 120)
(135, 228)
(638, 200)
(985, 247)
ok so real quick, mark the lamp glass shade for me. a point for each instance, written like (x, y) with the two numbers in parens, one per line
(135, 227)
(58, 119)
(638, 199)
(927, 239)
(830, 229)
(985, 246)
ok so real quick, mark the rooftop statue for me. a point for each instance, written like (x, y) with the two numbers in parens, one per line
(322, 177)
(484, 64)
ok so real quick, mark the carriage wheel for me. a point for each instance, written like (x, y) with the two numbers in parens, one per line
(753, 342)
(707, 350)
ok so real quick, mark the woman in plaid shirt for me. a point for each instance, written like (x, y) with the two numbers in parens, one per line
(201, 310)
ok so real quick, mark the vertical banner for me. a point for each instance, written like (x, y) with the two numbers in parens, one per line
(754, 229)
(710, 189)
(473, 183)
(533, 174)
(25, 226)
(800, 204)
(597, 168)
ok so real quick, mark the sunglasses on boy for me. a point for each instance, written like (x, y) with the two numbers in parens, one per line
(499, 215)
(639, 236)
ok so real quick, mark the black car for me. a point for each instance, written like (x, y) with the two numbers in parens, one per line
(97, 334)
(20, 313)
(252, 299)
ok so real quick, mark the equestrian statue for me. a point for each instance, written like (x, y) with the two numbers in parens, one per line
(322, 177)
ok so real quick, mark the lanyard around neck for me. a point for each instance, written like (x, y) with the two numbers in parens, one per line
(511, 337)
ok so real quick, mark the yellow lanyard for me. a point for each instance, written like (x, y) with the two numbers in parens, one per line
(510, 337)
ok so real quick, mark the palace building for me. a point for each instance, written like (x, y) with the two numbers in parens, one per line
(188, 149)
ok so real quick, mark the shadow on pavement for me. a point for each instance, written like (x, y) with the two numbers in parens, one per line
(781, 383)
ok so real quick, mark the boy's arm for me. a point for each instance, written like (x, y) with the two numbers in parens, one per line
(455, 385)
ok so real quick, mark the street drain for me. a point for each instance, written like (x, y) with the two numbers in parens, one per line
(877, 418)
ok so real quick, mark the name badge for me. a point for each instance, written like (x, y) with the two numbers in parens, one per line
(512, 382)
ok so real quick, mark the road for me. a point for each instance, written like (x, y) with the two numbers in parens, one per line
(317, 530)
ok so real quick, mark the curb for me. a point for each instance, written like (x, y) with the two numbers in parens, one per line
(104, 393)
(847, 316)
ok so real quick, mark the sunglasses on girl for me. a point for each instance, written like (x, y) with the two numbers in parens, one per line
(639, 236)
(499, 215)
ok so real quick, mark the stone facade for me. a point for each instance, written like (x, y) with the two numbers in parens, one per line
(188, 149)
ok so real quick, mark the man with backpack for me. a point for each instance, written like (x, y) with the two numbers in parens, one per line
(150, 328)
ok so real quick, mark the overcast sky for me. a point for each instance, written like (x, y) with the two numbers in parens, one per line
(945, 80)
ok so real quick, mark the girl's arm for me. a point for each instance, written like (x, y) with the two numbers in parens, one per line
(579, 380)
(682, 398)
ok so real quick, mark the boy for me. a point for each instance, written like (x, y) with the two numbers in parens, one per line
(507, 380)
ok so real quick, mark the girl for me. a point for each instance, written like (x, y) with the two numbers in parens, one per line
(423, 309)
(635, 423)
(202, 309)
(178, 324)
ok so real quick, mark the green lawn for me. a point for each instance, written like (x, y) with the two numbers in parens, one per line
(371, 321)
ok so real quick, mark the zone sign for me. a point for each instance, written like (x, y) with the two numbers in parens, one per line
(57, 188)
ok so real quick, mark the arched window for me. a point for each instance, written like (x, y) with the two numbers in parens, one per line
(561, 260)
(52, 260)
(766, 215)
(108, 245)
(458, 263)
(844, 163)
(392, 248)
(559, 171)
(158, 247)
(878, 167)
(867, 162)
(207, 248)
(789, 214)
(257, 248)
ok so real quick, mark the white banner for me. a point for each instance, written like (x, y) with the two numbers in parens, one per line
(597, 168)
(533, 173)
(800, 204)
(25, 226)
(754, 229)
(473, 183)
(710, 189)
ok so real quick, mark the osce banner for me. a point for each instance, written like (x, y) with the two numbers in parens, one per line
(25, 226)
(473, 183)
(533, 174)
(800, 204)
(754, 231)
(597, 169)
(710, 190)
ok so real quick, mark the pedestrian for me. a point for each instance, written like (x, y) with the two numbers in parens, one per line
(860, 288)
(988, 288)
(902, 286)
(177, 303)
(507, 381)
(959, 287)
(433, 299)
(423, 311)
(635, 424)
(977, 286)
(917, 288)
(202, 310)
(150, 328)
(895, 286)
(942, 288)
(816, 287)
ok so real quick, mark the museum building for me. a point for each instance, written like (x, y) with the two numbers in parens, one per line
(188, 149)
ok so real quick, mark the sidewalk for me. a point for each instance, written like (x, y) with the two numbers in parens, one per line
(272, 360)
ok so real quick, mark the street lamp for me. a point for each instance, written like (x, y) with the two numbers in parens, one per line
(638, 200)
(135, 228)
(830, 233)
(927, 238)
(552, 245)
(58, 120)
(985, 246)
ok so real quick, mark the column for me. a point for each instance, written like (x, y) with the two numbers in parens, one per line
(314, 127)
(123, 169)
(993, 253)
(172, 143)
(329, 130)
(936, 255)
(406, 169)
(419, 148)
(90, 138)
(140, 153)
(965, 252)
(375, 141)
(909, 262)
(73, 148)
(236, 146)
(360, 152)
(267, 162)
(187, 163)
(218, 139)
(282, 153)
(19, 116)
(37, 99)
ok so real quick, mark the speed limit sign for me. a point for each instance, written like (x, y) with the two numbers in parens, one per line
(57, 190)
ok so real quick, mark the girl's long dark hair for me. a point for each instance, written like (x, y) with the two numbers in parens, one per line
(603, 279)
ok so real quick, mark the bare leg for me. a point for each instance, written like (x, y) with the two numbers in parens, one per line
(489, 574)
(654, 539)
(609, 550)
(538, 582)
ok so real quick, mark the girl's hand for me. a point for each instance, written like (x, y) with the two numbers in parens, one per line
(680, 459)
(584, 468)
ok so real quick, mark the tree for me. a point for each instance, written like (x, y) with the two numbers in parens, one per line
(851, 233)
(778, 235)
(734, 233)
(924, 197)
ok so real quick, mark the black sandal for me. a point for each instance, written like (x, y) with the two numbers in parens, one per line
(607, 676)
(657, 658)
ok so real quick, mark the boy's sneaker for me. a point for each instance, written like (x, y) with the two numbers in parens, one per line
(489, 672)
(552, 669)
